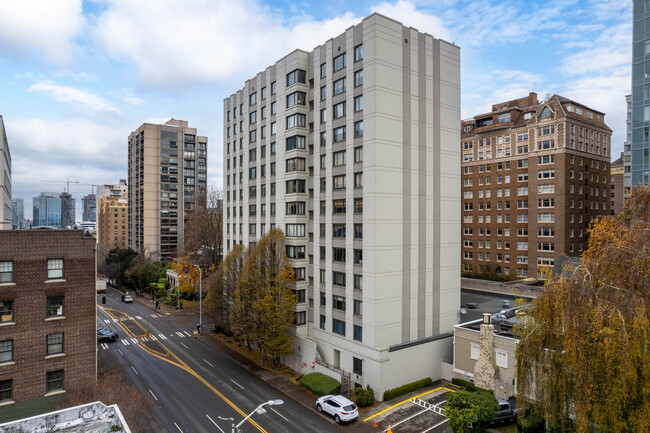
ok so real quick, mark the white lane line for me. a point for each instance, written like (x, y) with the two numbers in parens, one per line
(134, 341)
(179, 429)
(184, 346)
(107, 321)
(180, 334)
(208, 363)
(215, 424)
(440, 423)
(188, 334)
(412, 416)
(120, 352)
(162, 336)
(125, 342)
(279, 414)
(115, 320)
(136, 372)
(153, 395)
(153, 337)
(138, 317)
(236, 384)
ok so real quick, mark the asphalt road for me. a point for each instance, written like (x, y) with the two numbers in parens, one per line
(193, 386)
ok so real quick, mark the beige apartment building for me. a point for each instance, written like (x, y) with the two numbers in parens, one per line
(617, 194)
(352, 150)
(112, 223)
(535, 174)
(167, 178)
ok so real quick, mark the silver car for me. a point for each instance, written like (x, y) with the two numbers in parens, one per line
(342, 409)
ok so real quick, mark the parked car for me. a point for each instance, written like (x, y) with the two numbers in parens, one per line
(507, 412)
(342, 409)
(127, 298)
(104, 334)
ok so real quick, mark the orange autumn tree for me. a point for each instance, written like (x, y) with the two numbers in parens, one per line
(584, 352)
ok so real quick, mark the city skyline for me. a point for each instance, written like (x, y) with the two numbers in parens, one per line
(70, 104)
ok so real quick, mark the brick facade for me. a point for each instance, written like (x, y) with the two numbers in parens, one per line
(29, 289)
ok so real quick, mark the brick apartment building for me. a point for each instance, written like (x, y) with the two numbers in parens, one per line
(535, 174)
(47, 313)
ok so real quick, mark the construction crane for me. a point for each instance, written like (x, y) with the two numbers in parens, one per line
(91, 185)
(67, 182)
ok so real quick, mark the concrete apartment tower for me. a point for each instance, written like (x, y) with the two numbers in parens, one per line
(352, 150)
(640, 146)
(167, 181)
(112, 223)
(89, 208)
(5, 180)
(535, 174)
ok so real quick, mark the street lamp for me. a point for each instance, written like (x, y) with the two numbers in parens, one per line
(200, 296)
(259, 409)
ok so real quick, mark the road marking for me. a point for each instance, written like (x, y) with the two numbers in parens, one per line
(136, 372)
(162, 336)
(107, 321)
(153, 395)
(120, 352)
(179, 429)
(125, 342)
(236, 384)
(440, 423)
(155, 315)
(215, 424)
(105, 346)
(180, 334)
(412, 416)
(188, 334)
(279, 414)
(153, 337)
(134, 341)
(138, 317)
(404, 401)
(184, 346)
(208, 363)
(115, 320)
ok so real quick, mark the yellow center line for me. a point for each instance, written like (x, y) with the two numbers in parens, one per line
(405, 401)
(180, 364)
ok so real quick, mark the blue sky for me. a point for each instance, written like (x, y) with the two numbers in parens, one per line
(76, 77)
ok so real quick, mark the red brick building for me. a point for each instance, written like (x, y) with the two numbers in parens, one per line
(48, 342)
(535, 174)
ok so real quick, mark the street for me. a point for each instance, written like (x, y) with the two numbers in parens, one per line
(194, 387)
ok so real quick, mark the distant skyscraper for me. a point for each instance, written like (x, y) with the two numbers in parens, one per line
(5, 180)
(18, 213)
(89, 204)
(627, 150)
(117, 190)
(167, 181)
(67, 210)
(640, 145)
(47, 210)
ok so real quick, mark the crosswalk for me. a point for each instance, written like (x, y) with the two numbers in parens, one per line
(129, 341)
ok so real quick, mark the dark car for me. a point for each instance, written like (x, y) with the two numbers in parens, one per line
(507, 412)
(104, 334)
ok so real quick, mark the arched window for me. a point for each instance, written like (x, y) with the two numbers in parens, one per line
(546, 113)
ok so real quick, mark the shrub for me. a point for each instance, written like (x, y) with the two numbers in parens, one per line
(464, 408)
(531, 423)
(364, 397)
(162, 282)
(469, 386)
(320, 384)
(404, 389)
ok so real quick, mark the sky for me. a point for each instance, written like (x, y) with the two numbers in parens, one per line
(76, 77)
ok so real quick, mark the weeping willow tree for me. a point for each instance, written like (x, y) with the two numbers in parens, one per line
(584, 352)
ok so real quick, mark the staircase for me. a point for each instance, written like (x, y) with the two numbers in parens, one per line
(345, 376)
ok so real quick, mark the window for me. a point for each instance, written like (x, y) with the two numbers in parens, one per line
(296, 120)
(338, 182)
(338, 158)
(358, 103)
(475, 351)
(358, 257)
(338, 303)
(323, 93)
(293, 186)
(300, 317)
(339, 206)
(296, 98)
(339, 62)
(504, 118)
(501, 357)
(6, 311)
(338, 254)
(358, 53)
(358, 333)
(6, 272)
(253, 99)
(253, 117)
(6, 351)
(322, 322)
(358, 154)
(358, 78)
(338, 230)
(338, 327)
(358, 205)
(295, 208)
(358, 129)
(338, 278)
(297, 76)
(358, 231)
(295, 164)
(339, 110)
(323, 70)
(295, 230)
(339, 134)
(6, 390)
(55, 343)
(358, 180)
(54, 269)
(358, 282)
(323, 115)
(358, 307)
(295, 251)
(339, 86)
(357, 364)
(54, 306)
(54, 381)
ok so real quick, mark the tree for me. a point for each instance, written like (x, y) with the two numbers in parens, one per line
(204, 230)
(118, 261)
(221, 287)
(584, 351)
(144, 270)
(263, 298)
(464, 408)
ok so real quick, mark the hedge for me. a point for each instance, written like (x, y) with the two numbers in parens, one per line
(468, 385)
(404, 389)
(364, 397)
(320, 384)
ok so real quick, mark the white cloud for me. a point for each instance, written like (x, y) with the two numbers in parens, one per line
(407, 13)
(133, 100)
(42, 29)
(72, 95)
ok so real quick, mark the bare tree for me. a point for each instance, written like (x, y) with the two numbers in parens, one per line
(204, 231)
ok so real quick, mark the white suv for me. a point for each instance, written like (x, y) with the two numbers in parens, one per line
(342, 409)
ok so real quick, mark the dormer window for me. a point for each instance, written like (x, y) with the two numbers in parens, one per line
(546, 113)
(504, 118)
(528, 116)
(484, 122)
(569, 108)
(468, 128)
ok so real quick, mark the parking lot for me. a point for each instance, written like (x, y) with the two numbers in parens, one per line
(420, 413)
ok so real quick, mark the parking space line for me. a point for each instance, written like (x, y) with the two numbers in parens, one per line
(406, 419)
(440, 423)
(404, 401)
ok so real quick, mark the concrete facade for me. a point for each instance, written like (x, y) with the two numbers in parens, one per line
(167, 181)
(535, 174)
(617, 194)
(5, 180)
(48, 318)
(351, 149)
(18, 213)
(640, 143)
